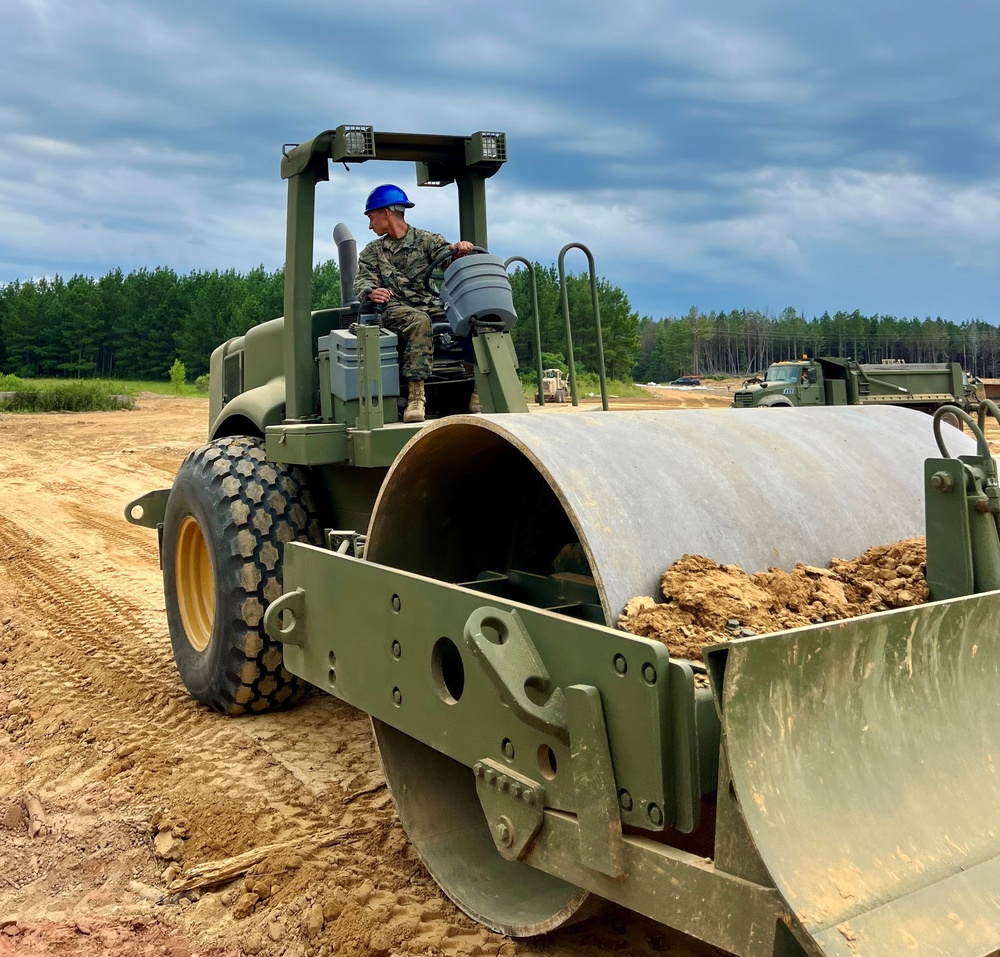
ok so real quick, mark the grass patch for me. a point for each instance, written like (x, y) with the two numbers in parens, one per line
(588, 384)
(131, 387)
(62, 395)
(186, 389)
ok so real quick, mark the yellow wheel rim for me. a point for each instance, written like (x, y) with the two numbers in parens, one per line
(195, 584)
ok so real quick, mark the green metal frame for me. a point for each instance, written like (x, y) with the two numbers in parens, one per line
(467, 161)
(496, 373)
(962, 506)
(543, 710)
(396, 633)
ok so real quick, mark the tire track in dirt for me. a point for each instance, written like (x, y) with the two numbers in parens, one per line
(108, 626)
(131, 631)
(118, 537)
(98, 643)
(12, 472)
(225, 790)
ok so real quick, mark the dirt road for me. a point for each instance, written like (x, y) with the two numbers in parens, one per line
(113, 781)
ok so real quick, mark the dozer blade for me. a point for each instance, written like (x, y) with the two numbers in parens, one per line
(865, 757)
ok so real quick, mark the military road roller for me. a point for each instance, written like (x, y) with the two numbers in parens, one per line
(828, 790)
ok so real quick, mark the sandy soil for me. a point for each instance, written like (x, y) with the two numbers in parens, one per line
(114, 782)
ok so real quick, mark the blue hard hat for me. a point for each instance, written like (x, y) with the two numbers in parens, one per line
(386, 195)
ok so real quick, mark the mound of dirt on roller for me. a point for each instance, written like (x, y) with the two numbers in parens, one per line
(705, 603)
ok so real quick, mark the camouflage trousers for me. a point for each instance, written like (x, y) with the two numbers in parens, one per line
(413, 326)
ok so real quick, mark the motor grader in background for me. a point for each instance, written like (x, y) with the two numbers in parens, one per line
(830, 790)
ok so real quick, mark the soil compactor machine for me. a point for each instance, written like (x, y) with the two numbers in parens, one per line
(831, 790)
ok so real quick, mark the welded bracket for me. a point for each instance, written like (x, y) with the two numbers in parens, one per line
(293, 605)
(501, 647)
(949, 544)
(369, 378)
(513, 806)
(345, 541)
(148, 510)
(504, 651)
(962, 512)
(601, 845)
(496, 373)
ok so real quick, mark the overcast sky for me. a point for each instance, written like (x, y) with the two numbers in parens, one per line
(716, 154)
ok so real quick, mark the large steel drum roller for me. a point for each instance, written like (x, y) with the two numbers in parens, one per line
(625, 494)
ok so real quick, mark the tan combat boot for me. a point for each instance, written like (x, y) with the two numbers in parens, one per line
(415, 402)
(474, 405)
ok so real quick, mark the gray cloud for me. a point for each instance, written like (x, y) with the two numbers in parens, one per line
(779, 153)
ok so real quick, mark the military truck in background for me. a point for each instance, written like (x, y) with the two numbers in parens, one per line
(827, 380)
(553, 387)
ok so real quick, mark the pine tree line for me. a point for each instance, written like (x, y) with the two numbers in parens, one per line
(134, 326)
(743, 342)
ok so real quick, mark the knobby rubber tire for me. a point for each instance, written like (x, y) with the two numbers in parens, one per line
(228, 517)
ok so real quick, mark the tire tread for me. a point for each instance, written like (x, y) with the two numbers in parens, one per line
(258, 506)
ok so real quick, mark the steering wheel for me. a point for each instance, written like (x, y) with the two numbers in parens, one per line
(433, 274)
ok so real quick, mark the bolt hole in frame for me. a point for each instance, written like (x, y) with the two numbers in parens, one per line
(447, 670)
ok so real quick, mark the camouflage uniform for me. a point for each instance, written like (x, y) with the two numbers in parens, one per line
(399, 265)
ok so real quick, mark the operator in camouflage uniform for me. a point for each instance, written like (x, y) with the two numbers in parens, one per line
(390, 273)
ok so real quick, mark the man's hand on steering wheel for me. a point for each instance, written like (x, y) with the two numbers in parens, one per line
(434, 272)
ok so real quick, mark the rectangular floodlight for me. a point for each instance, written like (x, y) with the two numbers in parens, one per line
(354, 143)
(433, 174)
(486, 148)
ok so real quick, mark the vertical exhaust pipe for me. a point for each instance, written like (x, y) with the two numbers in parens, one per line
(347, 258)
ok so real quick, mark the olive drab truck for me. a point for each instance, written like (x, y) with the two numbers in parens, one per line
(827, 380)
(830, 790)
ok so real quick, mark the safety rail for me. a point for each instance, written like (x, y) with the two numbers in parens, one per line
(564, 296)
(538, 322)
(597, 322)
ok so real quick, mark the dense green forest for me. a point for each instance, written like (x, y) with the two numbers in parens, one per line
(134, 326)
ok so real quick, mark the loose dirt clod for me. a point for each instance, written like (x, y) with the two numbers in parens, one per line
(705, 603)
(38, 823)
